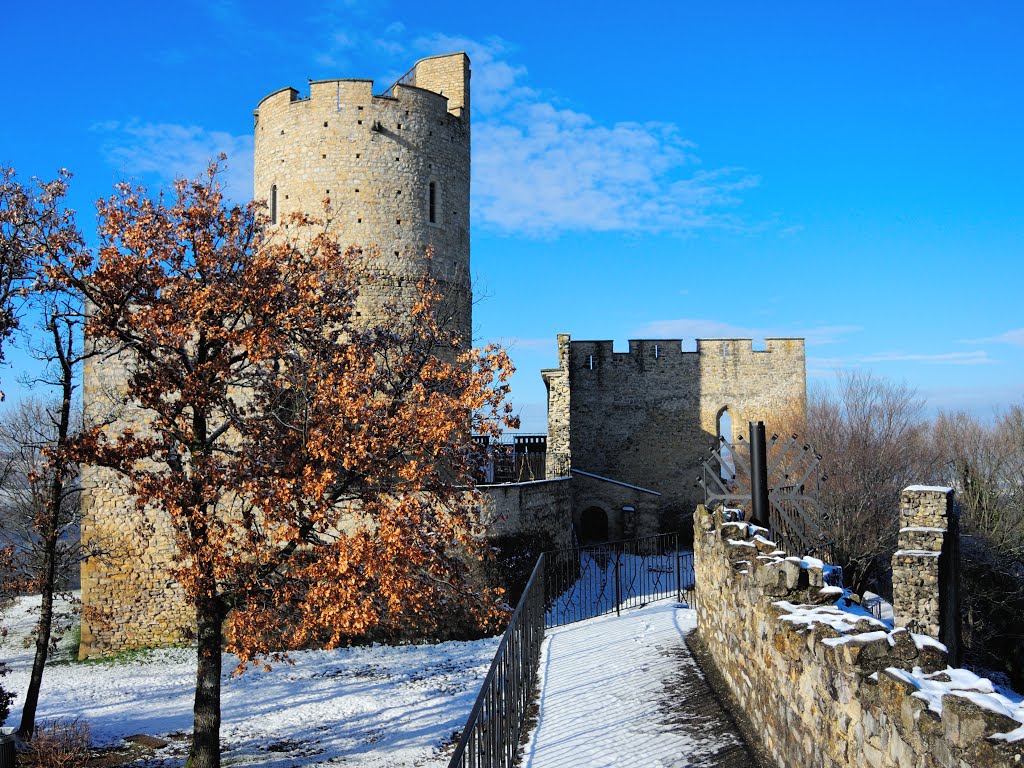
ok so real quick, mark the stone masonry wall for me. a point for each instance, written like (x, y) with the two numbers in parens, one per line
(823, 687)
(129, 599)
(541, 508)
(925, 575)
(647, 416)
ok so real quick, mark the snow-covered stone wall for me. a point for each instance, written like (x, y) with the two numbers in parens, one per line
(824, 684)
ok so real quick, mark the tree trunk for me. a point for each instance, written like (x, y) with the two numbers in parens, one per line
(28, 713)
(206, 725)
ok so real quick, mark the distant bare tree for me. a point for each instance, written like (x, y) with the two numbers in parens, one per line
(40, 497)
(985, 464)
(22, 210)
(874, 442)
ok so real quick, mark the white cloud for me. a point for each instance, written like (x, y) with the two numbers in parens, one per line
(168, 151)
(540, 169)
(696, 328)
(1014, 336)
(978, 357)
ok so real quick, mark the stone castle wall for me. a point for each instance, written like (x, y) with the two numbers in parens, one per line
(129, 599)
(823, 687)
(375, 158)
(649, 415)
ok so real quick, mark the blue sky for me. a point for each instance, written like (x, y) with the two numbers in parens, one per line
(848, 172)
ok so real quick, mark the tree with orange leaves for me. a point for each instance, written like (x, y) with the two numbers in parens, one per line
(317, 472)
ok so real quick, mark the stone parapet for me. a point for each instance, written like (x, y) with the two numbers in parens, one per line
(824, 686)
(925, 568)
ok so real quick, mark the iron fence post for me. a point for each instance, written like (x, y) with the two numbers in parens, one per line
(679, 575)
(618, 596)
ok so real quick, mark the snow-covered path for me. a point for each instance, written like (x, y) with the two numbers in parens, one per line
(620, 691)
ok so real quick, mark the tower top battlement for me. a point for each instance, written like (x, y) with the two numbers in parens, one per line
(438, 83)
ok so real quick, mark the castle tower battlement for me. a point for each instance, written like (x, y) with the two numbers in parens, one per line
(395, 168)
(648, 415)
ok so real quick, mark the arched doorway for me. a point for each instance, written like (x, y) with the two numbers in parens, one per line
(593, 526)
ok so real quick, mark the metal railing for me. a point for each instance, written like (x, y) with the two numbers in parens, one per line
(584, 582)
(491, 736)
(519, 458)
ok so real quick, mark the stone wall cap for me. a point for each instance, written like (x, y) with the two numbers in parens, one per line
(615, 482)
(939, 488)
(487, 486)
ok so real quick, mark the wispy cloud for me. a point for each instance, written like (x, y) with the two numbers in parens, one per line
(544, 344)
(542, 170)
(1014, 336)
(977, 357)
(166, 151)
(686, 328)
(825, 367)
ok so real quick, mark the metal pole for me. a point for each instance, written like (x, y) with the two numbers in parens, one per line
(758, 474)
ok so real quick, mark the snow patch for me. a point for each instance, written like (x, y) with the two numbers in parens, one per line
(964, 683)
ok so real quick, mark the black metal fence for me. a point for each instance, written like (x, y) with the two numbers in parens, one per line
(491, 736)
(519, 458)
(584, 582)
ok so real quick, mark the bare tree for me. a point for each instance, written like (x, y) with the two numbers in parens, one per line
(40, 497)
(15, 258)
(874, 442)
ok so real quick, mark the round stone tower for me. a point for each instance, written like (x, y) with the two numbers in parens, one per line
(395, 168)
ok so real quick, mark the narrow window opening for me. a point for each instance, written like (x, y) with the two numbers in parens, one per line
(323, 157)
(357, 155)
(325, 123)
(433, 202)
(360, 122)
(728, 467)
(656, 351)
(399, 127)
(273, 204)
(591, 362)
(398, 221)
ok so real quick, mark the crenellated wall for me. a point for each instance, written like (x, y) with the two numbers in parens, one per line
(649, 415)
(376, 158)
(824, 687)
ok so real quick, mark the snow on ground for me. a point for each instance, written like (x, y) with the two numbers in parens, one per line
(366, 707)
(603, 688)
